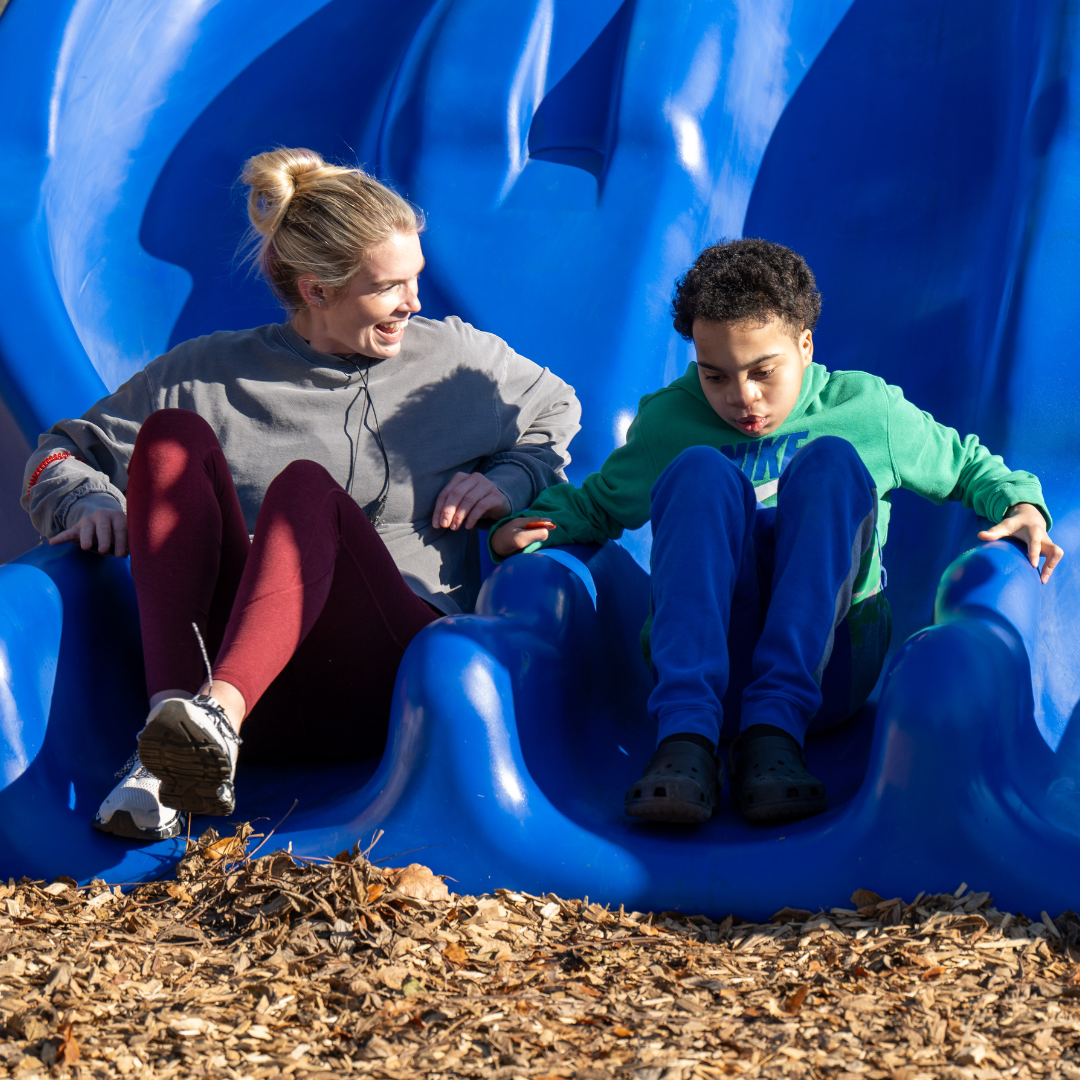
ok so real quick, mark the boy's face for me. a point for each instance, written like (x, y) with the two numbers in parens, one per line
(752, 373)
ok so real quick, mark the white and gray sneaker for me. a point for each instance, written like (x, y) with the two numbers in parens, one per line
(133, 809)
(190, 746)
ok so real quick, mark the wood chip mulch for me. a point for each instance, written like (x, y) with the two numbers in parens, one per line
(272, 966)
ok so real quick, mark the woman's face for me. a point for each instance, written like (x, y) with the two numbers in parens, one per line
(370, 314)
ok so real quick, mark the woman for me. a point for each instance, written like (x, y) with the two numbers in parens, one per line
(300, 492)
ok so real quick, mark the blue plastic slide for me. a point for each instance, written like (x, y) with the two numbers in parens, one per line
(572, 156)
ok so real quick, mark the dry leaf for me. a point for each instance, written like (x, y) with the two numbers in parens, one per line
(932, 973)
(418, 882)
(862, 898)
(794, 1003)
(374, 892)
(790, 914)
(69, 1048)
(59, 977)
(455, 953)
(392, 977)
(230, 847)
(34, 1028)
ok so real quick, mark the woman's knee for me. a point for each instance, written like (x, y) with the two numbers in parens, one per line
(300, 482)
(180, 426)
(170, 443)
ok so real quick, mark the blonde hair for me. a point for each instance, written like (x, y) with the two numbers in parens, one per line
(308, 217)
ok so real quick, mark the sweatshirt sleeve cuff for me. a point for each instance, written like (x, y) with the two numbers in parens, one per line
(86, 505)
(515, 482)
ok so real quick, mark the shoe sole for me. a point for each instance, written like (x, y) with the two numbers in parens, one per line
(777, 811)
(195, 772)
(122, 824)
(671, 811)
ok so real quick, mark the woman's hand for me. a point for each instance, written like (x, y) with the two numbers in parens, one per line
(468, 499)
(107, 529)
(516, 536)
(1026, 523)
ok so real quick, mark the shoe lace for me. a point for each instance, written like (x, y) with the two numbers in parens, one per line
(130, 764)
(213, 709)
(210, 705)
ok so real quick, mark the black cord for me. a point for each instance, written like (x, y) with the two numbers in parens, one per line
(374, 509)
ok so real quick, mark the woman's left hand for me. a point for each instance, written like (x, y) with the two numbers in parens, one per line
(1026, 523)
(467, 500)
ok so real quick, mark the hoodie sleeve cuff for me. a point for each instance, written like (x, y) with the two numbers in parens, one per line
(1009, 494)
(495, 557)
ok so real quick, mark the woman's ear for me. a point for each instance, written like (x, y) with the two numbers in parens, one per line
(313, 292)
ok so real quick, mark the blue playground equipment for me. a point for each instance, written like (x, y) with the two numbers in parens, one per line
(572, 156)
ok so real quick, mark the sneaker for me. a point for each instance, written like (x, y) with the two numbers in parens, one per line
(133, 809)
(190, 746)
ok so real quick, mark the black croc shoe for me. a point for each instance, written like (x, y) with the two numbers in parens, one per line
(769, 780)
(680, 784)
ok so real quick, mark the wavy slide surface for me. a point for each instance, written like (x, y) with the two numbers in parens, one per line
(572, 157)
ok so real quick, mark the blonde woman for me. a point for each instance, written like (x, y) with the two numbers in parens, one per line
(301, 492)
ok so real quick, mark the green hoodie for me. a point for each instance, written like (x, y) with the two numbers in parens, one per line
(901, 446)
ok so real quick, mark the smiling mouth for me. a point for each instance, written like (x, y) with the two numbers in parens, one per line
(392, 330)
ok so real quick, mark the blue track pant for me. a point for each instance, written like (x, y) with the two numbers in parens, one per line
(749, 604)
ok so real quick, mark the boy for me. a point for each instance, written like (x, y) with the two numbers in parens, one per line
(766, 479)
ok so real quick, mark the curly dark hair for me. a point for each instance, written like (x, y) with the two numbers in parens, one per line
(747, 280)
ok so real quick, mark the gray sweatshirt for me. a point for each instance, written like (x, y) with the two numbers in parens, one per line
(454, 399)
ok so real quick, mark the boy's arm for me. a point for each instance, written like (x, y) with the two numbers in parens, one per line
(933, 461)
(608, 501)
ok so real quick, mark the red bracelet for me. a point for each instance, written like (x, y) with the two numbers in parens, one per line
(52, 459)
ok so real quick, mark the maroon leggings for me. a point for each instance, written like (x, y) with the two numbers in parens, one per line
(309, 621)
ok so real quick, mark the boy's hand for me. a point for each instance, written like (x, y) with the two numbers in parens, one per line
(1026, 523)
(515, 536)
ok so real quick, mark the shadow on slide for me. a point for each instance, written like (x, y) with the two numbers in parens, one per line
(572, 158)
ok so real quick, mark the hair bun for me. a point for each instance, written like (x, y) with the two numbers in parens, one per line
(310, 217)
(274, 178)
